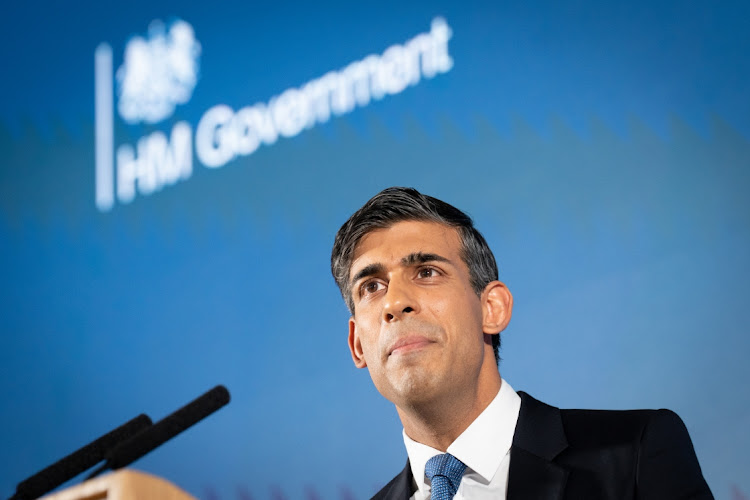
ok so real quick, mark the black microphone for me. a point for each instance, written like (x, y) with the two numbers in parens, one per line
(134, 448)
(79, 461)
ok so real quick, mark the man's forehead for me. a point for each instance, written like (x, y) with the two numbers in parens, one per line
(396, 242)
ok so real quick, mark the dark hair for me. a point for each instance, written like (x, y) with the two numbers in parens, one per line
(398, 204)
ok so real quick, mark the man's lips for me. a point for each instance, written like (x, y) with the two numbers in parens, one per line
(407, 344)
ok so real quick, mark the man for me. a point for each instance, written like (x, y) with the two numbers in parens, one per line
(426, 313)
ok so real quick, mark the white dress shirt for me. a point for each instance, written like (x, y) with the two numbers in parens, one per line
(484, 447)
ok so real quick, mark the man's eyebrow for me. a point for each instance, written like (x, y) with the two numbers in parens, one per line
(366, 271)
(421, 258)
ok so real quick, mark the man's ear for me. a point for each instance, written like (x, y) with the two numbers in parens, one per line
(497, 307)
(355, 345)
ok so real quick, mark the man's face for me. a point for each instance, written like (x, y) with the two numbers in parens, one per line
(418, 325)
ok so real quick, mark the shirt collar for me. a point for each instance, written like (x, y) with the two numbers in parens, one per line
(482, 446)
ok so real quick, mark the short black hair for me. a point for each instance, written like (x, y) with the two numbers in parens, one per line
(398, 204)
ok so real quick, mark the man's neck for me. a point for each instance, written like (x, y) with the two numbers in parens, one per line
(438, 423)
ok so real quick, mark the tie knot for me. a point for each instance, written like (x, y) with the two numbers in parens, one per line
(444, 472)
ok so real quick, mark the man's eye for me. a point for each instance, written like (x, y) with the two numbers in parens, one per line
(428, 272)
(371, 287)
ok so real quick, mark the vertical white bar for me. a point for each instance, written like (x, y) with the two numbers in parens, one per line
(104, 127)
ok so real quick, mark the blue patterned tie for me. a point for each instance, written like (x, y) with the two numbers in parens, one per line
(444, 472)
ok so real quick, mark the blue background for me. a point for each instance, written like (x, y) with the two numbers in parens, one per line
(602, 148)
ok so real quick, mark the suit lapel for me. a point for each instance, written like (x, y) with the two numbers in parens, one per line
(400, 487)
(538, 439)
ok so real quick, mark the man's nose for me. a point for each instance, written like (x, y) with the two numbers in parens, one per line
(399, 300)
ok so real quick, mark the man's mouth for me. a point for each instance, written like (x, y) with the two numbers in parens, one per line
(408, 344)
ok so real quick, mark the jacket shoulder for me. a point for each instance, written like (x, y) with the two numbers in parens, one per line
(646, 454)
(588, 428)
(655, 443)
(610, 427)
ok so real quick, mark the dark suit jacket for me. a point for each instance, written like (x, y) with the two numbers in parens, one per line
(592, 454)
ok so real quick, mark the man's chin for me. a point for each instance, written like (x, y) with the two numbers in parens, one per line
(412, 386)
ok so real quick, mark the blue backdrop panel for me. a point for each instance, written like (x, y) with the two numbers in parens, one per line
(602, 148)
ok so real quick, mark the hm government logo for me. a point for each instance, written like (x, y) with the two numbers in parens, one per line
(160, 71)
